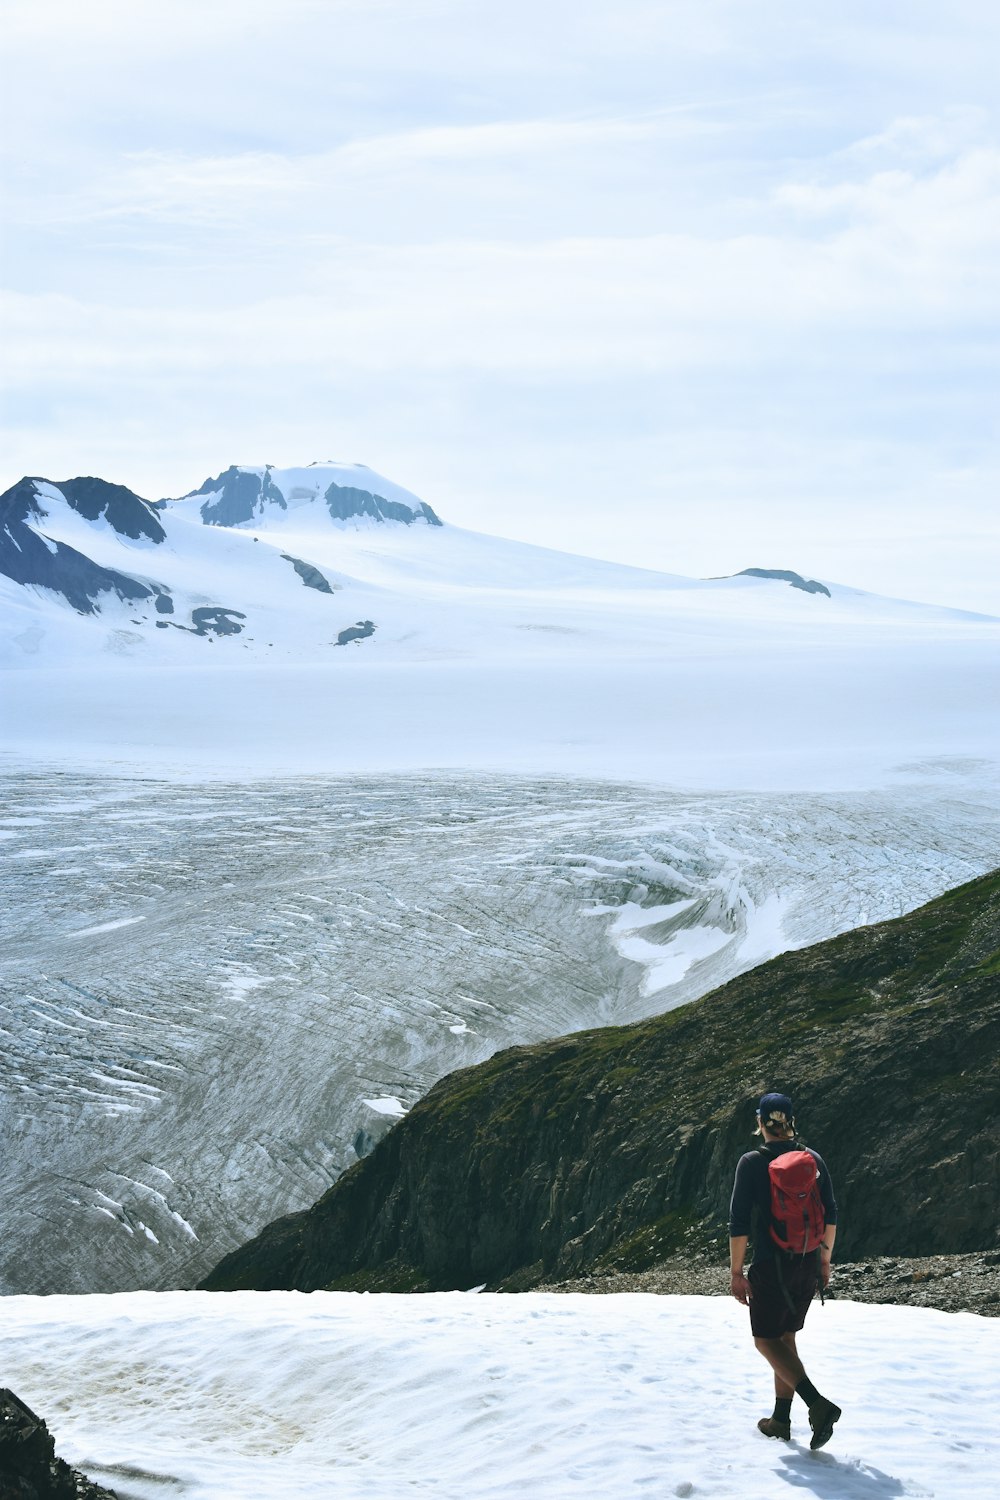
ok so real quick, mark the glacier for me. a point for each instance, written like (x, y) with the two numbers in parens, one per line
(209, 991)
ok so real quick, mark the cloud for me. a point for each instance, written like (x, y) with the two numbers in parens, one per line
(203, 188)
(749, 251)
(912, 253)
(915, 140)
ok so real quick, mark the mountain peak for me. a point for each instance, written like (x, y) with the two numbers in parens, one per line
(246, 493)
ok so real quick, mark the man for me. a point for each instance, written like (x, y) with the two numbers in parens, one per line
(780, 1285)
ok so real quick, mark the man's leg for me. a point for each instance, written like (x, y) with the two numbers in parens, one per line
(783, 1358)
(778, 1424)
(790, 1378)
(782, 1390)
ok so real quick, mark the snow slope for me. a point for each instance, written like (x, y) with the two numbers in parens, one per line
(251, 1396)
(298, 642)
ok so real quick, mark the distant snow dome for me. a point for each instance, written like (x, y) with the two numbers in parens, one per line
(349, 492)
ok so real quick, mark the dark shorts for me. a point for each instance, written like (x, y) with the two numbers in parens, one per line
(781, 1296)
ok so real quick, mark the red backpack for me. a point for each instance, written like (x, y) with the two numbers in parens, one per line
(798, 1220)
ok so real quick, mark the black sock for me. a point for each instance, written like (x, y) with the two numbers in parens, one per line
(807, 1391)
(782, 1409)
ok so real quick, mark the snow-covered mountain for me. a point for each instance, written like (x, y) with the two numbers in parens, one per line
(246, 555)
(445, 647)
(243, 496)
(105, 552)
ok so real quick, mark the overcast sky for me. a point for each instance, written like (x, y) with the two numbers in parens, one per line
(697, 284)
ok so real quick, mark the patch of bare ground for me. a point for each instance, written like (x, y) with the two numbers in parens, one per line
(950, 1283)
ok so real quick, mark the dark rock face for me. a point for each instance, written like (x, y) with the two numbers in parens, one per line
(808, 585)
(207, 620)
(243, 496)
(27, 558)
(359, 632)
(126, 512)
(345, 503)
(310, 575)
(616, 1148)
(29, 1469)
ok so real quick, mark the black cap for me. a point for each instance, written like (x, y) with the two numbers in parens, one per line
(776, 1107)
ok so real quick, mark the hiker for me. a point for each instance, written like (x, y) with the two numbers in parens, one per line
(783, 1194)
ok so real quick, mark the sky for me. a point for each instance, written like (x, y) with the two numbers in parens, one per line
(694, 284)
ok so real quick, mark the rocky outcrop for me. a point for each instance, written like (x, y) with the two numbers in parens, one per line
(123, 510)
(785, 575)
(310, 575)
(951, 1283)
(28, 556)
(237, 495)
(359, 632)
(346, 502)
(29, 1468)
(615, 1148)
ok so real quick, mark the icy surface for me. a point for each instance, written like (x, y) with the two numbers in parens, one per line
(212, 995)
(484, 654)
(464, 1397)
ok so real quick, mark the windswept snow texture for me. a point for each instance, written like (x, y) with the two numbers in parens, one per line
(267, 1395)
(206, 989)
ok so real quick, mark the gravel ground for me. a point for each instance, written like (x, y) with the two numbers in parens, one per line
(951, 1283)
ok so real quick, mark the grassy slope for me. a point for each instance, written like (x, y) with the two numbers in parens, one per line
(615, 1146)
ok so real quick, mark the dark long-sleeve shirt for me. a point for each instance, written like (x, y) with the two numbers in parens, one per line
(750, 1209)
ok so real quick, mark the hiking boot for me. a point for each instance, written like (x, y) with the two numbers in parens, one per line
(771, 1427)
(822, 1415)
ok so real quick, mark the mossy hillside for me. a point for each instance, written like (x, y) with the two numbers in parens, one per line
(617, 1146)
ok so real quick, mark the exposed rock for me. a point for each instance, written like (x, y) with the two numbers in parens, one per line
(808, 585)
(208, 620)
(126, 512)
(359, 632)
(951, 1283)
(240, 494)
(310, 575)
(615, 1148)
(27, 557)
(29, 1468)
(345, 502)
(237, 495)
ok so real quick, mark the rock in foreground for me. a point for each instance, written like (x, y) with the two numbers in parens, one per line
(29, 1468)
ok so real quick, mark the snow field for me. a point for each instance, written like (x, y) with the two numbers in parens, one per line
(255, 1396)
(764, 719)
(487, 655)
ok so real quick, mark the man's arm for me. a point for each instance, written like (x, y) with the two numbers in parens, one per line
(830, 1210)
(826, 1253)
(738, 1283)
(740, 1213)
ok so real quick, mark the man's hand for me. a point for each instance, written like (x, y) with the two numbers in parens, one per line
(824, 1269)
(738, 1284)
(740, 1287)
